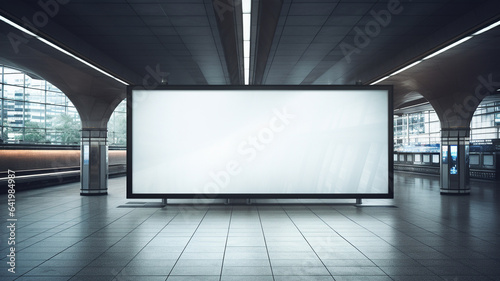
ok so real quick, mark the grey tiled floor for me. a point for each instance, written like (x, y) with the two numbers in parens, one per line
(420, 235)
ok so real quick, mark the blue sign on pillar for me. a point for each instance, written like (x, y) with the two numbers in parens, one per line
(445, 154)
(454, 157)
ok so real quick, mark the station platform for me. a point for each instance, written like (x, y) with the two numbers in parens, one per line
(418, 235)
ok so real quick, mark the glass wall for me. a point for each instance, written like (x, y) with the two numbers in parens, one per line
(417, 132)
(117, 126)
(33, 111)
(420, 131)
(485, 124)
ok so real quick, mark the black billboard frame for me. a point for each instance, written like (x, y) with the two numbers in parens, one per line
(390, 113)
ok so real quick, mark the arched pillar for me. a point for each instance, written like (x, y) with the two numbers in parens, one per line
(95, 114)
(455, 98)
(94, 162)
(455, 114)
(94, 95)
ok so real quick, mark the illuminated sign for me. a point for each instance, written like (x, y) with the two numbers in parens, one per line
(273, 142)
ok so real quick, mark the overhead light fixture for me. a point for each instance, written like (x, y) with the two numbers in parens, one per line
(246, 8)
(442, 50)
(491, 26)
(405, 68)
(47, 42)
(380, 80)
(447, 48)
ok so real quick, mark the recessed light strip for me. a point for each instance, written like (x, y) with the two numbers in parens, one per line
(442, 50)
(47, 42)
(447, 48)
(246, 9)
(491, 26)
(380, 80)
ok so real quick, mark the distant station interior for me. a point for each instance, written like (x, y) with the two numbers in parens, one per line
(67, 66)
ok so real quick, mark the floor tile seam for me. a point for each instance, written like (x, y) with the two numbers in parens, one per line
(71, 244)
(307, 241)
(77, 199)
(361, 252)
(190, 238)
(412, 238)
(432, 247)
(440, 236)
(20, 219)
(265, 243)
(225, 244)
(152, 214)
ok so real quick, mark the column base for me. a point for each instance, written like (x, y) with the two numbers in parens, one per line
(86, 192)
(455, 192)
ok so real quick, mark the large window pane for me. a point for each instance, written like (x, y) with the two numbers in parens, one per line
(54, 136)
(34, 95)
(28, 106)
(13, 92)
(63, 127)
(13, 77)
(13, 113)
(52, 88)
(122, 107)
(117, 125)
(34, 83)
(56, 98)
(53, 111)
(13, 134)
(71, 111)
(34, 135)
(34, 113)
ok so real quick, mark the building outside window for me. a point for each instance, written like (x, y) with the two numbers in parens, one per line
(33, 111)
(420, 132)
(417, 132)
(117, 126)
(485, 124)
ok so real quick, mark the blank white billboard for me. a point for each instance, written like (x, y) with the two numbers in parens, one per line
(257, 142)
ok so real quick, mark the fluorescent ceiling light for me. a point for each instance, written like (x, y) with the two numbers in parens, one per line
(380, 80)
(246, 6)
(246, 49)
(18, 27)
(13, 24)
(406, 67)
(487, 28)
(447, 47)
(491, 26)
(246, 27)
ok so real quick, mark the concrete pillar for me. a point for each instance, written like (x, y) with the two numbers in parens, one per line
(94, 162)
(455, 161)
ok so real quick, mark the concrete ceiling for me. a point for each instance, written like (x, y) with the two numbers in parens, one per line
(294, 42)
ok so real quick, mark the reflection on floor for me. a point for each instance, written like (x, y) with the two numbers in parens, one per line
(62, 236)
